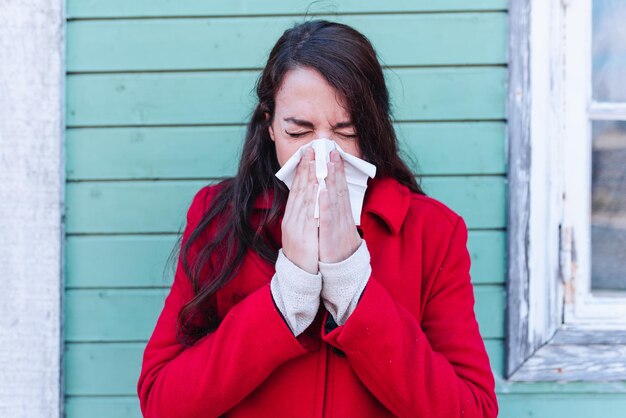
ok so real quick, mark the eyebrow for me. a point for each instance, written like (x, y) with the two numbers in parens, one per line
(307, 124)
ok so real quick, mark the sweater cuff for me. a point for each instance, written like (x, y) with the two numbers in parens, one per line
(296, 293)
(343, 283)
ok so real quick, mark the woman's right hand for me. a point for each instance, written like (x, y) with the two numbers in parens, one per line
(300, 240)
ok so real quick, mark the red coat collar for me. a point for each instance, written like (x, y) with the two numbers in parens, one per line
(385, 197)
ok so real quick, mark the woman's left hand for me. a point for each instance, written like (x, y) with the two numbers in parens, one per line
(338, 235)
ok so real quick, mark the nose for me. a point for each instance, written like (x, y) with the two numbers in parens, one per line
(326, 134)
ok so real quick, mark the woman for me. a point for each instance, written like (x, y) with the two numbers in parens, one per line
(270, 315)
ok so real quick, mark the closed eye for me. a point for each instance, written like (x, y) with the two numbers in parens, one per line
(299, 134)
(296, 134)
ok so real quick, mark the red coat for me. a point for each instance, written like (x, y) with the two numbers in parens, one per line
(411, 348)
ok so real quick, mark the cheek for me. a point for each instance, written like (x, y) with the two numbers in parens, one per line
(351, 148)
(285, 150)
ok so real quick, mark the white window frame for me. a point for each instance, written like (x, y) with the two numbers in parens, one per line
(582, 308)
(556, 330)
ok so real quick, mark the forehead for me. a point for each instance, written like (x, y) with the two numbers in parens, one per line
(305, 93)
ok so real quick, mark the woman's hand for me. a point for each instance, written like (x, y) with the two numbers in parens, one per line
(338, 235)
(299, 227)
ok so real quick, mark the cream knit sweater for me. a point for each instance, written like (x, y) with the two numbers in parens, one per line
(297, 293)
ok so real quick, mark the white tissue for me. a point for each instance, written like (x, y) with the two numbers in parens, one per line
(357, 172)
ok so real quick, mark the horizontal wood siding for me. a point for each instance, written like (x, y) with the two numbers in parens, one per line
(238, 43)
(138, 260)
(226, 97)
(90, 9)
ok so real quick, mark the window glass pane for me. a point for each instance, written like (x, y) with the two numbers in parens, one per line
(608, 209)
(609, 50)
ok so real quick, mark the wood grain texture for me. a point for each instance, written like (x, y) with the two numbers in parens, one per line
(519, 343)
(160, 206)
(106, 315)
(224, 97)
(129, 260)
(244, 43)
(572, 362)
(191, 152)
(546, 405)
(113, 369)
(150, 8)
(117, 367)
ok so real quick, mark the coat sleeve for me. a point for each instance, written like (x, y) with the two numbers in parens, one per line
(438, 368)
(221, 368)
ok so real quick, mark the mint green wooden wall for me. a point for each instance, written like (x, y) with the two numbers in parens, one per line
(157, 96)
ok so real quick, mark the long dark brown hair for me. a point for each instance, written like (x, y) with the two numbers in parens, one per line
(347, 60)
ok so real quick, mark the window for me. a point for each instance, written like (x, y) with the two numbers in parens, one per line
(567, 191)
(596, 173)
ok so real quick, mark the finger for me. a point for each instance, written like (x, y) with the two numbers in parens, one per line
(343, 194)
(307, 213)
(294, 184)
(313, 187)
(331, 185)
(324, 220)
(298, 187)
(300, 178)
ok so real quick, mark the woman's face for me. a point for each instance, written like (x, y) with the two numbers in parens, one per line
(309, 108)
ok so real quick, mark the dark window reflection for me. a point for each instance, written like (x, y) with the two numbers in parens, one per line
(608, 209)
(609, 50)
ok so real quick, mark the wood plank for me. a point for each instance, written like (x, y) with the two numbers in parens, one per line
(570, 334)
(214, 151)
(488, 253)
(569, 362)
(119, 261)
(112, 315)
(96, 369)
(451, 148)
(130, 314)
(160, 206)
(225, 97)
(540, 405)
(583, 405)
(102, 407)
(113, 369)
(105, 261)
(481, 200)
(153, 153)
(236, 43)
(129, 207)
(143, 8)
(102, 369)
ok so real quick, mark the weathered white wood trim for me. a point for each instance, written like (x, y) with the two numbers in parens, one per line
(607, 111)
(544, 242)
(534, 301)
(546, 167)
(577, 335)
(32, 40)
(579, 362)
(518, 341)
